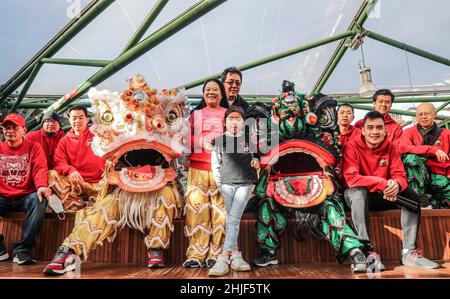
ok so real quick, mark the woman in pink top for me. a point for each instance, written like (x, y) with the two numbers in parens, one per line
(204, 209)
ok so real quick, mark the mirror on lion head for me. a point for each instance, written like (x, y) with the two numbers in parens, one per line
(139, 131)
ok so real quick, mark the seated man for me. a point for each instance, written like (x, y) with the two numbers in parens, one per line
(48, 136)
(374, 173)
(345, 116)
(347, 132)
(77, 170)
(430, 172)
(23, 170)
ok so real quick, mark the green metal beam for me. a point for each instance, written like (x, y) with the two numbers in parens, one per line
(356, 24)
(274, 57)
(355, 100)
(145, 25)
(79, 62)
(406, 47)
(46, 105)
(55, 45)
(442, 106)
(445, 124)
(25, 88)
(184, 19)
(396, 111)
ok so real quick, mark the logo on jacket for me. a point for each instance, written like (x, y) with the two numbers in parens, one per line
(438, 143)
(13, 168)
(383, 162)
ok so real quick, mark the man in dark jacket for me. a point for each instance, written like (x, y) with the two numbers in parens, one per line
(232, 80)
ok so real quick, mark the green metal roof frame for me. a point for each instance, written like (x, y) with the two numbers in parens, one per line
(136, 48)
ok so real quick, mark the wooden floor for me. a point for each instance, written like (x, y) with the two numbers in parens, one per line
(92, 270)
(129, 247)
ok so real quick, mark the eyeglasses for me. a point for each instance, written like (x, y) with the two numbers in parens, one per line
(50, 121)
(238, 83)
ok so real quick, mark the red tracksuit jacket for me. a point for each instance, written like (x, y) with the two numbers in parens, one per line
(48, 143)
(364, 167)
(349, 134)
(394, 130)
(413, 144)
(74, 153)
(23, 169)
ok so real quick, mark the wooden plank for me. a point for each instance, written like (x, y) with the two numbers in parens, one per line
(129, 247)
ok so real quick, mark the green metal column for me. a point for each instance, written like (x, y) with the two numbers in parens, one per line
(145, 25)
(184, 19)
(79, 62)
(78, 24)
(359, 20)
(442, 106)
(25, 88)
(274, 57)
(406, 47)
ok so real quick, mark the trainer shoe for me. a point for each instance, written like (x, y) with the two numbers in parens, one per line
(3, 253)
(265, 259)
(415, 258)
(23, 258)
(374, 261)
(359, 262)
(62, 262)
(156, 258)
(238, 263)
(221, 266)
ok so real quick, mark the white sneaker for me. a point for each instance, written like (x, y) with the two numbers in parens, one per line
(221, 267)
(238, 263)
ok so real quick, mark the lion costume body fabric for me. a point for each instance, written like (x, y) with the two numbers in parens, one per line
(139, 134)
(298, 175)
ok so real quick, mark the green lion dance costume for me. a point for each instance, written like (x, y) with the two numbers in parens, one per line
(139, 134)
(297, 176)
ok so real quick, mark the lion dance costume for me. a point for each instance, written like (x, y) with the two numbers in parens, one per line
(139, 134)
(297, 175)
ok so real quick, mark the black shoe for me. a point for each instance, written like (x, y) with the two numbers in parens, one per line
(210, 263)
(3, 253)
(359, 262)
(265, 259)
(23, 258)
(192, 264)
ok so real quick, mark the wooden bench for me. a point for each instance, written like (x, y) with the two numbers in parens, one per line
(434, 239)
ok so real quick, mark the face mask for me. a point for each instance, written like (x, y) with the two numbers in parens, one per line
(56, 205)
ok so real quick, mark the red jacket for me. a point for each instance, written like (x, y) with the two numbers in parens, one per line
(204, 122)
(349, 134)
(23, 169)
(394, 130)
(48, 143)
(74, 153)
(412, 143)
(364, 167)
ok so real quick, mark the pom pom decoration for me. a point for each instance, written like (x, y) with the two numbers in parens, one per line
(311, 118)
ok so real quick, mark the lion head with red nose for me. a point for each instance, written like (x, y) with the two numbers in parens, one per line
(139, 133)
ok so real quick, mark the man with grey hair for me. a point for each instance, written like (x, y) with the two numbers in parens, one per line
(427, 162)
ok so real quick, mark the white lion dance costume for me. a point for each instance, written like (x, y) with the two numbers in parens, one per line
(139, 134)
